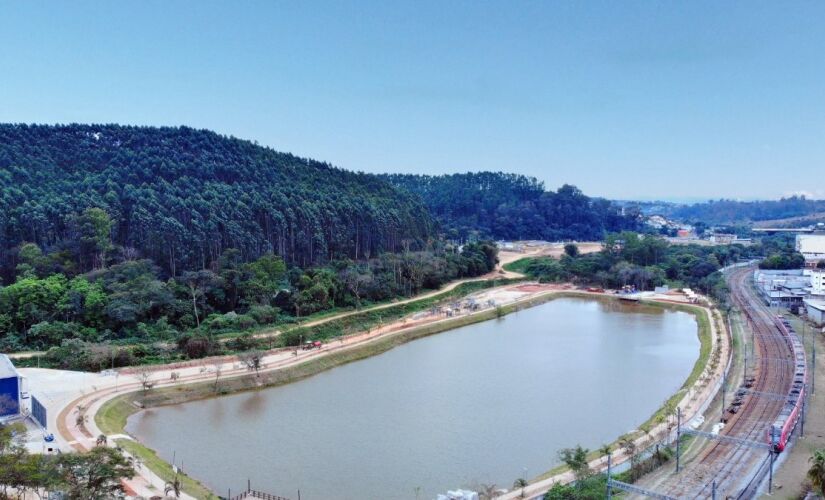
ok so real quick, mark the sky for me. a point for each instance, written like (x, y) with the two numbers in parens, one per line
(626, 100)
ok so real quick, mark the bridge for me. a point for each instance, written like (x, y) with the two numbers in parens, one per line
(783, 230)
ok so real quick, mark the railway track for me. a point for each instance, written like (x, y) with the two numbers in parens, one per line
(727, 464)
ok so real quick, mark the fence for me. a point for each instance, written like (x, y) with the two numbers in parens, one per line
(39, 413)
(257, 495)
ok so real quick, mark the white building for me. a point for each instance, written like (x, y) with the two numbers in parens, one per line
(783, 288)
(818, 282)
(812, 247)
(722, 238)
(815, 310)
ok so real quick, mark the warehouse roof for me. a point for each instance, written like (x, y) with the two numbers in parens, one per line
(810, 243)
(7, 368)
(816, 304)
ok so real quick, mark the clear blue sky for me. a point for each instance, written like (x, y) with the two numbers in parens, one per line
(623, 99)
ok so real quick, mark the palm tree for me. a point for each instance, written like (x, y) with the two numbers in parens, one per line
(521, 483)
(80, 417)
(629, 446)
(646, 428)
(816, 473)
(488, 491)
(173, 487)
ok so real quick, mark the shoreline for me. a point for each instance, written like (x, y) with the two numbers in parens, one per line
(114, 409)
(703, 380)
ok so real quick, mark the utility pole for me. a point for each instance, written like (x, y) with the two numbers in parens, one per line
(802, 424)
(678, 436)
(746, 362)
(770, 475)
(813, 369)
(713, 491)
(609, 492)
(724, 390)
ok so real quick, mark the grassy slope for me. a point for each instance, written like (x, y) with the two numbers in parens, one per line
(112, 419)
(520, 265)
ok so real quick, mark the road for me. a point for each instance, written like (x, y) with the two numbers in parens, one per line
(504, 257)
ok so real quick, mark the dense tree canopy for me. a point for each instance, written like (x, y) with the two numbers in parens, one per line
(731, 211)
(511, 206)
(144, 235)
(644, 262)
(131, 300)
(88, 194)
(92, 475)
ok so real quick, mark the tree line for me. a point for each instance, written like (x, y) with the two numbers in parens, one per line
(92, 475)
(133, 302)
(644, 262)
(732, 211)
(515, 207)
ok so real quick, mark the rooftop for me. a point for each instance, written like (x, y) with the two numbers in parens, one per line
(816, 304)
(810, 243)
(7, 368)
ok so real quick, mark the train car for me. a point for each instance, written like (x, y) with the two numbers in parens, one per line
(780, 431)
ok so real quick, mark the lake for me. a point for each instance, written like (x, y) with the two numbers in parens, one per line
(485, 403)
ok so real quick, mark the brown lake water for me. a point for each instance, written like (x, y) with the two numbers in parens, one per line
(485, 403)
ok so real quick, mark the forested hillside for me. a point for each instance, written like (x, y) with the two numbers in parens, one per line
(730, 211)
(161, 237)
(181, 196)
(511, 206)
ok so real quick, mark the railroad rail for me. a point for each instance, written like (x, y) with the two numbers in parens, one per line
(724, 464)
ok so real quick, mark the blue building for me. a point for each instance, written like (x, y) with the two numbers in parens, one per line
(11, 384)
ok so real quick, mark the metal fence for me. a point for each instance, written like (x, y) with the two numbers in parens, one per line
(39, 413)
(257, 495)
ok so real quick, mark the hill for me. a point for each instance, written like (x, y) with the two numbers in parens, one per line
(511, 206)
(181, 196)
(731, 211)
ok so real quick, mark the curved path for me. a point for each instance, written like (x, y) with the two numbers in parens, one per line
(499, 272)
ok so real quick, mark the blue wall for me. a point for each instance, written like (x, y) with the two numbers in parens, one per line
(9, 387)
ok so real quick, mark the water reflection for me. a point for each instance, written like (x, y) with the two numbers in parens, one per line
(252, 404)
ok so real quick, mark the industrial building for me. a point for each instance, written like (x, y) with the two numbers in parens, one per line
(818, 282)
(816, 310)
(11, 384)
(812, 247)
(785, 288)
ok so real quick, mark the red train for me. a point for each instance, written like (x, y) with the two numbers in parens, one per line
(785, 422)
